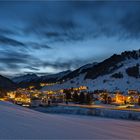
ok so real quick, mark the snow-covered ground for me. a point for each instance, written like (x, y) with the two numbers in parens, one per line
(22, 123)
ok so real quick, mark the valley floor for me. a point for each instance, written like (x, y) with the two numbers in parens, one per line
(17, 122)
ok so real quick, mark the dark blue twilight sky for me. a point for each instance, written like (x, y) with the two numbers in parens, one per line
(52, 36)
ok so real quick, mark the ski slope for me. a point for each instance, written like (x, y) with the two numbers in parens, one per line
(22, 123)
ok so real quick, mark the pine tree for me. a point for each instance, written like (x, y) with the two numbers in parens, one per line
(109, 100)
(75, 97)
(82, 98)
(139, 100)
(67, 95)
(2, 93)
(105, 96)
(89, 98)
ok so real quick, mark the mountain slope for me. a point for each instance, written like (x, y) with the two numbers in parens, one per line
(25, 78)
(113, 63)
(54, 77)
(6, 85)
(78, 71)
(119, 72)
(34, 80)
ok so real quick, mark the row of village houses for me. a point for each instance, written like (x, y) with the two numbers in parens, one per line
(34, 97)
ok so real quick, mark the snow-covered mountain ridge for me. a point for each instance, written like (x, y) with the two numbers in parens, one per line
(35, 78)
(25, 78)
(119, 72)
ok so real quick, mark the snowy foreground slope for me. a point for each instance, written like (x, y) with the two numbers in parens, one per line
(21, 123)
